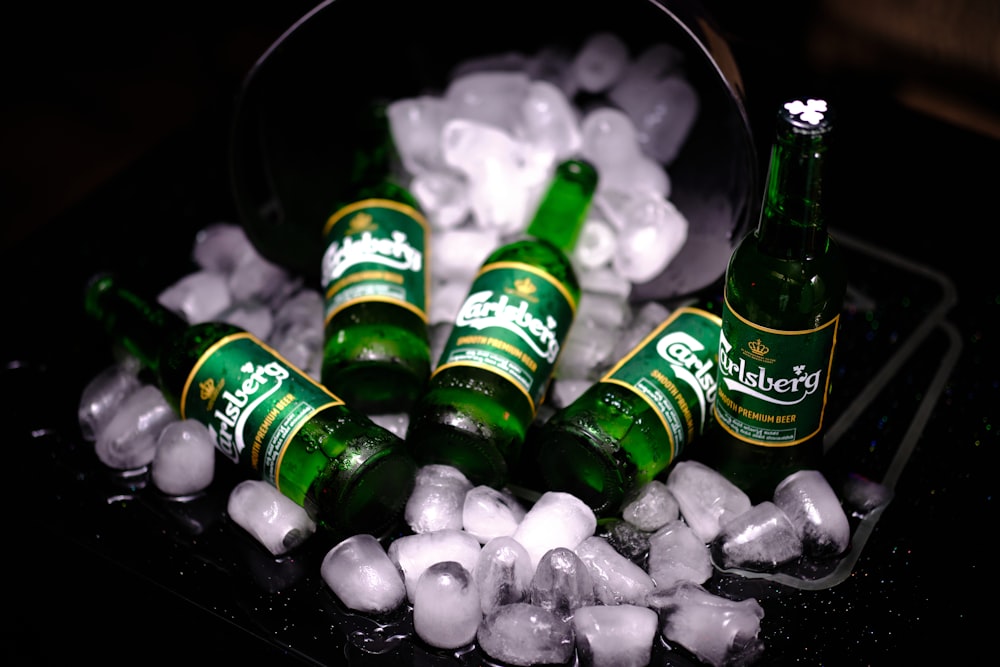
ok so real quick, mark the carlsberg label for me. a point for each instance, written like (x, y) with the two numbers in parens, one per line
(773, 384)
(252, 400)
(513, 323)
(375, 251)
(673, 370)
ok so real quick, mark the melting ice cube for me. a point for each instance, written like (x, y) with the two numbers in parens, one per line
(270, 517)
(525, 634)
(446, 611)
(360, 574)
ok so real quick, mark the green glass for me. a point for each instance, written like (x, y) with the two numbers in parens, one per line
(349, 474)
(498, 361)
(376, 352)
(784, 291)
(630, 425)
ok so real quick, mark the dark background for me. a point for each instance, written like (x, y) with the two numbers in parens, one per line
(91, 89)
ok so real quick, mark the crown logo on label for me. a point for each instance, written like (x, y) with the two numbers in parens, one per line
(360, 222)
(758, 347)
(525, 287)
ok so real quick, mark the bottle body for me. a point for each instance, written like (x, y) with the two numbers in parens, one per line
(347, 472)
(499, 358)
(632, 423)
(784, 290)
(376, 351)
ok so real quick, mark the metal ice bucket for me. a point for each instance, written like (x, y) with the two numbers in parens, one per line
(290, 127)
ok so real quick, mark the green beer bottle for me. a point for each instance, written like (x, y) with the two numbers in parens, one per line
(784, 291)
(349, 474)
(499, 358)
(376, 351)
(627, 427)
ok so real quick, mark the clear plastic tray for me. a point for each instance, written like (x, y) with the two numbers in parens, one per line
(885, 388)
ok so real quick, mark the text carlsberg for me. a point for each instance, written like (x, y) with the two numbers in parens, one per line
(680, 350)
(779, 391)
(480, 313)
(395, 252)
(241, 403)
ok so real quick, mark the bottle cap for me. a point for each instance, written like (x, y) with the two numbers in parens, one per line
(809, 116)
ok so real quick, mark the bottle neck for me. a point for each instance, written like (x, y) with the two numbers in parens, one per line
(563, 208)
(139, 325)
(792, 222)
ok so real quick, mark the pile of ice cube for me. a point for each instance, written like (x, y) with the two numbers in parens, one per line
(531, 585)
(526, 583)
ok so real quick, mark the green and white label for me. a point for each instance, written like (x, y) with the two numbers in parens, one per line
(513, 323)
(252, 400)
(375, 251)
(773, 384)
(674, 370)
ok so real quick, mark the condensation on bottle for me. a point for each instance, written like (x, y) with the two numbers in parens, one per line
(631, 424)
(500, 356)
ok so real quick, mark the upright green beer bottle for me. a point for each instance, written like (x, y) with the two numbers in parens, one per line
(349, 474)
(784, 291)
(376, 352)
(499, 358)
(627, 427)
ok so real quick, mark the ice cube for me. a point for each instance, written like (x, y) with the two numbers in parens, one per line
(562, 582)
(360, 574)
(617, 580)
(416, 131)
(394, 422)
(651, 506)
(654, 233)
(458, 253)
(502, 573)
(706, 498)
(413, 554)
(251, 316)
(549, 122)
(184, 461)
(646, 318)
(814, 509)
(488, 513)
(862, 495)
(198, 297)
(493, 98)
(498, 170)
(596, 244)
(104, 393)
(614, 636)
(256, 278)
(297, 331)
(557, 519)
(220, 247)
(761, 539)
(437, 499)
(677, 554)
(717, 630)
(446, 606)
(270, 517)
(600, 62)
(524, 634)
(128, 441)
(626, 539)
(443, 197)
